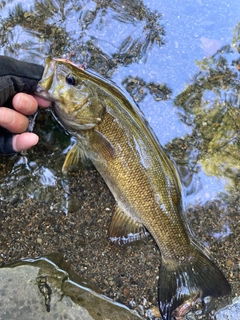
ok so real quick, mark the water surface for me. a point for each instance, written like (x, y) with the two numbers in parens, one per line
(180, 62)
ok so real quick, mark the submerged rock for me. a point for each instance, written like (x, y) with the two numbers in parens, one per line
(39, 289)
(231, 311)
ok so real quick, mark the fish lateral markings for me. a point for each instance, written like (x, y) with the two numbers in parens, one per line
(113, 133)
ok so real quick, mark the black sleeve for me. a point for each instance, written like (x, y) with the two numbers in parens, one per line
(6, 142)
(15, 76)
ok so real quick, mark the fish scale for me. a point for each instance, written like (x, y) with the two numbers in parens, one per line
(136, 185)
(112, 132)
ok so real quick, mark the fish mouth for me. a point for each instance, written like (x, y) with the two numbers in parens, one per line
(44, 94)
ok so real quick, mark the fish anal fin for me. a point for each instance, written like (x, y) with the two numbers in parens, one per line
(102, 145)
(73, 157)
(125, 229)
(180, 284)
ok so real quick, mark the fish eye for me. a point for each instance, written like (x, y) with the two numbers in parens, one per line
(70, 80)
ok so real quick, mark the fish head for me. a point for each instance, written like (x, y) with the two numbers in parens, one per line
(75, 98)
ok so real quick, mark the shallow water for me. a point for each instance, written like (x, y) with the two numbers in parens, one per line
(180, 62)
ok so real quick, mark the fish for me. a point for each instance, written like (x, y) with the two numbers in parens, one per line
(112, 131)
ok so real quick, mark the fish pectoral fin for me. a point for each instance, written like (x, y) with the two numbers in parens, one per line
(102, 145)
(73, 157)
(125, 229)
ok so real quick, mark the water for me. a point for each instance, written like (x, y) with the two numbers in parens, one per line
(180, 62)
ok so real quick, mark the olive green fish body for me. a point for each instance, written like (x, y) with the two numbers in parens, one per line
(144, 188)
(113, 133)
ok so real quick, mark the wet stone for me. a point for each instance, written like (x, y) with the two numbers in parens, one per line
(229, 312)
(38, 289)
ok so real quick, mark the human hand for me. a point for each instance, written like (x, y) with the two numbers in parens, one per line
(18, 80)
(16, 122)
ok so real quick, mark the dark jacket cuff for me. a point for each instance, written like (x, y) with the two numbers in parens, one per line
(6, 142)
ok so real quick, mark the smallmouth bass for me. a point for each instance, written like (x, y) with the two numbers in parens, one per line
(112, 132)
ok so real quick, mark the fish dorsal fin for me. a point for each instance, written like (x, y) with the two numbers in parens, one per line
(102, 145)
(125, 229)
(73, 157)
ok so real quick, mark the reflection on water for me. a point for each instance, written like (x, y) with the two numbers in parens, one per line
(211, 106)
(180, 63)
(92, 23)
(47, 177)
(40, 177)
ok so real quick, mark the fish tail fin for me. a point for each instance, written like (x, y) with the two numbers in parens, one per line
(185, 282)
